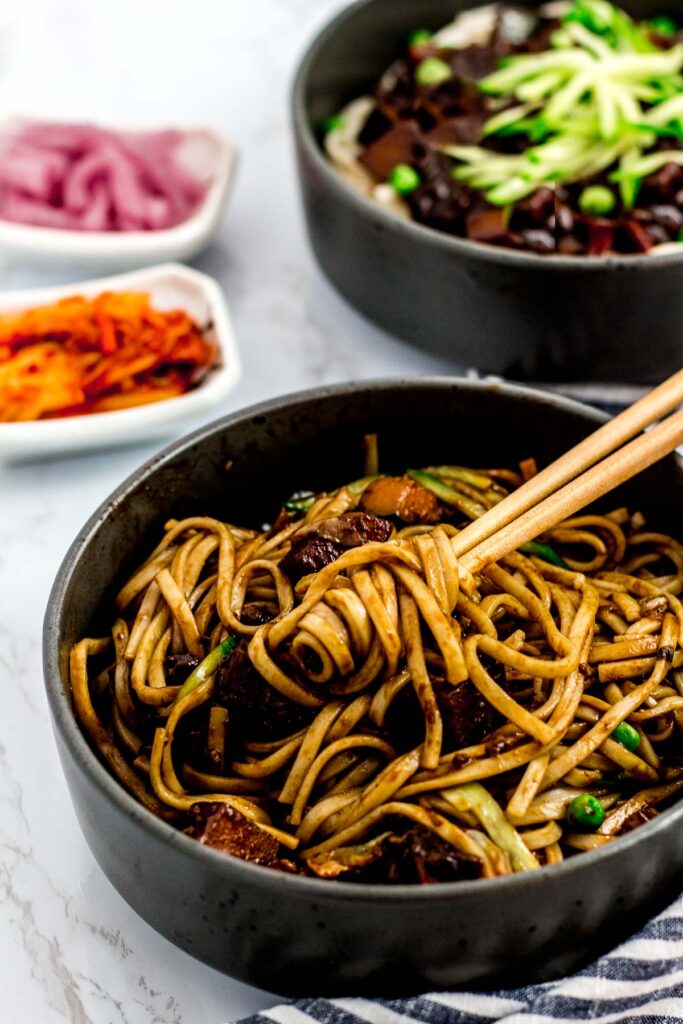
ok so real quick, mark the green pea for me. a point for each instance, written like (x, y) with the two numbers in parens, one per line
(663, 26)
(432, 71)
(404, 179)
(585, 813)
(333, 124)
(419, 37)
(627, 736)
(597, 199)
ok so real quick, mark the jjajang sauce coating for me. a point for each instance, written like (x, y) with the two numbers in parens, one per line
(338, 696)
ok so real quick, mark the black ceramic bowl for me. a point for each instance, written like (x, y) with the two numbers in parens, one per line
(518, 314)
(308, 936)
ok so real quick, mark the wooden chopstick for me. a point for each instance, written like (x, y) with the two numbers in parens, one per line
(662, 400)
(581, 491)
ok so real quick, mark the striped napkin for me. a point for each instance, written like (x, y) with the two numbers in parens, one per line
(640, 981)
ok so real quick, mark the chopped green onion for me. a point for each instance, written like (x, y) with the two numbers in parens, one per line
(544, 551)
(432, 71)
(597, 200)
(627, 736)
(404, 179)
(463, 503)
(333, 124)
(358, 486)
(206, 668)
(468, 476)
(419, 37)
(299, 502)
(585, 813)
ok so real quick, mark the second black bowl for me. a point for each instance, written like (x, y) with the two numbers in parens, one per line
(518, 314)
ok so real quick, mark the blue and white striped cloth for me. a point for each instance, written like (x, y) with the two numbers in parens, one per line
(639, 982)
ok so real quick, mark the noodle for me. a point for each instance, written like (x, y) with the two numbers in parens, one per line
(339, 678)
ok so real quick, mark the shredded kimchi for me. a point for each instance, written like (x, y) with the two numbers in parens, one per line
(96, 355)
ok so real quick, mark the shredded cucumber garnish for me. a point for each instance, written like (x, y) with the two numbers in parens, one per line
(601, 97)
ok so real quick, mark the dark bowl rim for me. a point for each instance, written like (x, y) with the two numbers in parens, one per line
(65, 723)
(421, 234)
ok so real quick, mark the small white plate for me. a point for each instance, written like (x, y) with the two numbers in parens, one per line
(203, 152)
(170, 286)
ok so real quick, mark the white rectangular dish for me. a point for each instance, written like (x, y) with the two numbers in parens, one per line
(203, 152)
(169, 286)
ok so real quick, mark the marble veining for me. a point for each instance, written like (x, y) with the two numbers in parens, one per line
(71, 950)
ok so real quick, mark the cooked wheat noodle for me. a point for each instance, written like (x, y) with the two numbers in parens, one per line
(364, 659)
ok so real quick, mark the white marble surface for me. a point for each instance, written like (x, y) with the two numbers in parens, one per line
(70, 948)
